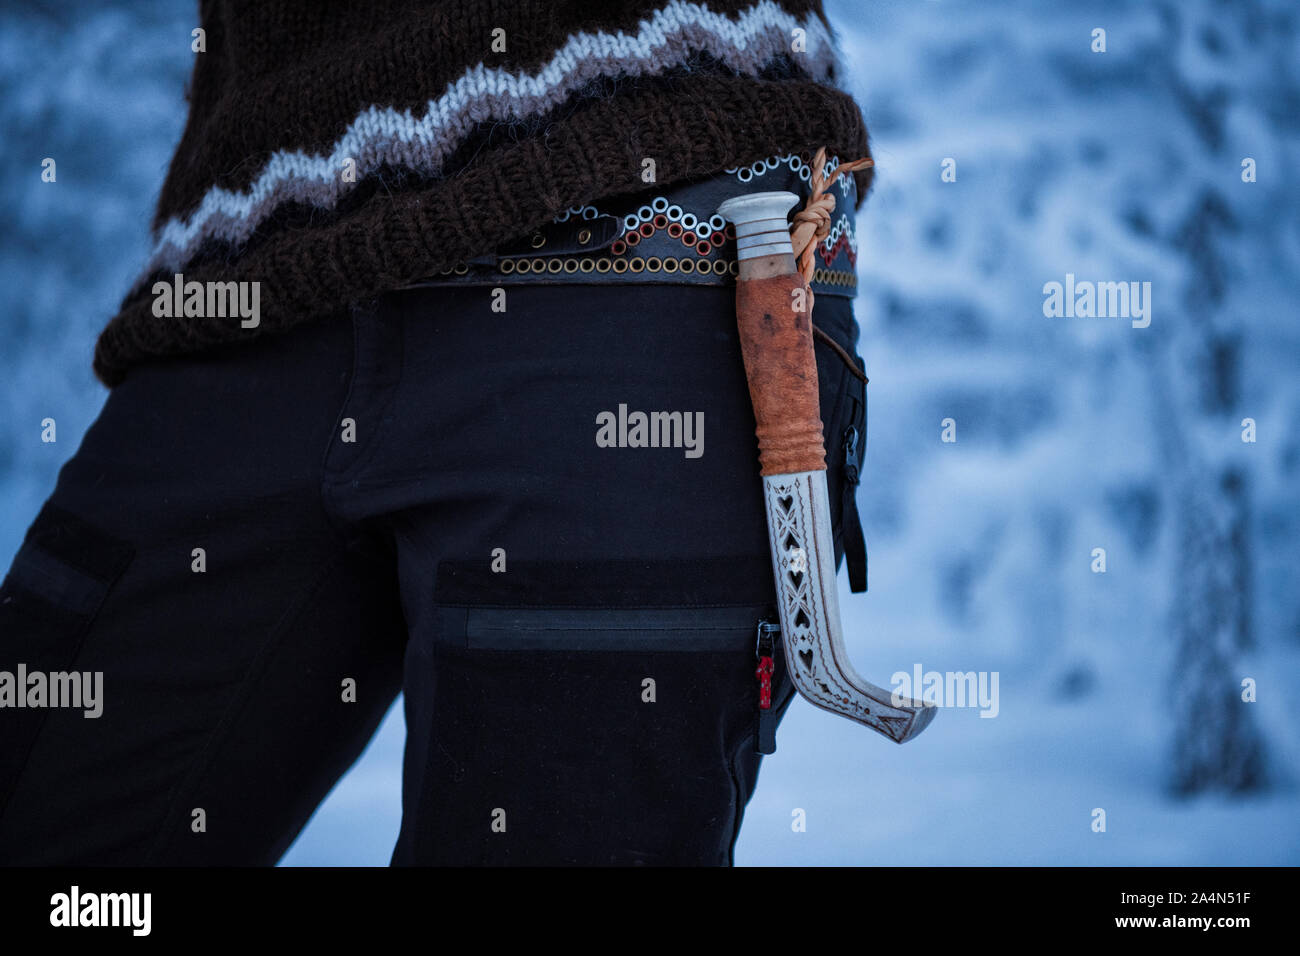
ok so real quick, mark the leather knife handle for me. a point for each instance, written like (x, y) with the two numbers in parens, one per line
(777, 343)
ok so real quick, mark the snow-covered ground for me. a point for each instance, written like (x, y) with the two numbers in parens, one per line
(1122, 165)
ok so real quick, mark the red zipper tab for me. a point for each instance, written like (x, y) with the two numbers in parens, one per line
(765, 654)
(764, 675)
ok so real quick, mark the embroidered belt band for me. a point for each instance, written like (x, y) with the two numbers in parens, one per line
(673, 237)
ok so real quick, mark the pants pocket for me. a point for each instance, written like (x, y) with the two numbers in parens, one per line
(54, 589)
(586, 735)
(844, 414)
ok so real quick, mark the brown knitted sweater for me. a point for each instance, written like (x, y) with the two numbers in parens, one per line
(336, 149)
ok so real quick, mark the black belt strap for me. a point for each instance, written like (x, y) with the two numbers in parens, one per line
(855, 544)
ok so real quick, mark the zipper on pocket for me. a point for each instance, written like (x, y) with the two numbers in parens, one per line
(765, 654)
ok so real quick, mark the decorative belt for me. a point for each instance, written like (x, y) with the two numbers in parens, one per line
(674, 237)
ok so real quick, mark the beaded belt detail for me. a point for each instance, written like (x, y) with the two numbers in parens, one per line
(673, 237)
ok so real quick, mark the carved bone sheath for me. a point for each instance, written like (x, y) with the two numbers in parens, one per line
(781, 367)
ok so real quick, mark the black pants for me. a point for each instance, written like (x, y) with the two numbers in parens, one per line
(410, 498)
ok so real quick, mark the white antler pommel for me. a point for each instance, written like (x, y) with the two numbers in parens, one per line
(760, 221)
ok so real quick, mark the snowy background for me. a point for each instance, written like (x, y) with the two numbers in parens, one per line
(1072, 434)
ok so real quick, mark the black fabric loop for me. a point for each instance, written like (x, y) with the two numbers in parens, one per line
(855, 439)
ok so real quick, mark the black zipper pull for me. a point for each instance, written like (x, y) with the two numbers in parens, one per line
(765, 654)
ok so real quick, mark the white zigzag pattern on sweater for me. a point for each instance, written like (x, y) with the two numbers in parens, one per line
(380, 136)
